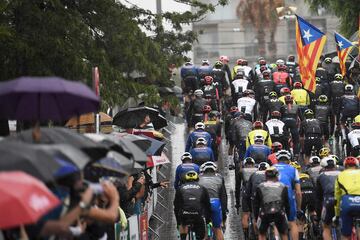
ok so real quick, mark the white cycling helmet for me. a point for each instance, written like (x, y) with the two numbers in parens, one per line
(186, 155)
(263, 166)
(259, 138)
(280, 62)
(208, 165)
(199, 125)
(349, 88)
(198, 93)
(314, 159)
(283, 154)
(249, 160)
(327, 161)
(201, 141)
(205, 61)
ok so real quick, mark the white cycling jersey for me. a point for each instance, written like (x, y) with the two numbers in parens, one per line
(354, 137)
(275, 126)
(240, 84)
(246, 104)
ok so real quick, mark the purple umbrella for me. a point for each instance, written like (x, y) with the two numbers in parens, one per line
(45, 98)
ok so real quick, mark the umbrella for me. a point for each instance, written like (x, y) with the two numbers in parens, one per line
(24, 199)
(24, 157)
(66, 168)
(89, 119)
(58, 135)
(45, 98)
(156, 146)
(139, 141)
(133, 117)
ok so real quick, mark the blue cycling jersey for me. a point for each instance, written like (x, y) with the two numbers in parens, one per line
(202, 155)
(182, 169)
(258, 152)
(204, 70)
(194, 136)
(188, 71)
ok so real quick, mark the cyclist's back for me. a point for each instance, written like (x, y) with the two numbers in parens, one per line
(189, 78)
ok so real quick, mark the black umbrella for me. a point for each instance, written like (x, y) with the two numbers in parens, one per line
(133, 117)
(140, 141)
(58, 135)
(16, 156)
(156, 146)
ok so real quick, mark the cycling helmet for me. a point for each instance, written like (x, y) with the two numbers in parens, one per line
(249, 160)
(280, 62)
(250, 92)
(239, 115)
(206, 109)
(314, 160)
(234, 109)
(283, 155)
(246, 93)
(351, 162)
(356, 122)
(258, 125)
(262, 62)
(239, 61)
(205, 62)
(188, 63)
(263, 166)
(198, 93)
(245, 62)
(291, 58)
(218, 64)
(201, 141)
(296, 165)
(322, 99)
(208, 165)
(327, 162)
(276, 146)
(263, 68)
(199, 125)
(266, 73)
(349, 88)
(336, 158)
(338, 76)
(324, 152)
(288, 99)
(318, 80)
(191, 176)
(271, 172)
(327, 60)
(259, 139)
(309, 113)
(208, 80)
(272, 94)
(298, 85)
(284, 91)
(224, 58)
(186, 156)
(275, 114)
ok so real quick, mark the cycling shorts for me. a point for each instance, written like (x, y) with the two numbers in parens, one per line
(216, 212)
(350, 207)
(280, 220)
(311, 142)
(328, 211)
(245, 203)
(197, 222)
(292, 202)
(308, 200)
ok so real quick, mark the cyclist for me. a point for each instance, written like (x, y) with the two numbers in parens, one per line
(285, 91)
(238, 86)
(271, 204)
(314, 168)
(210, 93)
(225, 61)
(301, 97)
(349, 107)
(319, 90)
(199, 132)
(247, 104)
(272, 103)
(289, 115)
(213, 127)
(237, 68)
(354, 137)
(247, 70)
(195, 111)
(258, 151)
(281, 78)
(324, 113)
(337, 87)
(291, 66)
(186, 166)
(310, 129)
(275, 147)
(215, 185)
(189, 78)
(329, 67)
(290, 177)
(325, 194)
(347, 192)
(219, 77)
(201, 153)
(191, 205)
(263, 87)
(204, 70)
(227, 122)
(258, 130)
(276, 129)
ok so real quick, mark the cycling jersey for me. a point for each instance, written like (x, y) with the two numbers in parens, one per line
(187, 71)
(182, 169)
(220, 80)
(245, 69)
(258, 152)
(203, 71)
(301, 97)
(189, 78)
(314, 173)
(323, 112)
(239, 85)
(275, 126)
(242, 179)
(308, 199)
(272, 159)
(281, 78)
(349, 106)
(354, 137)
(198, 133)
(264, 87)
(202, 155)
(246, 105)
(251, 137)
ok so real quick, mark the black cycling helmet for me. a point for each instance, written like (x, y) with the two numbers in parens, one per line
(328, 60)
(323, 99)
(271, 172)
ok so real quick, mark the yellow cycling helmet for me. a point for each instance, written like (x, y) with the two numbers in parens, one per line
(296, 165)
(357, 119)
(191, 176)
(324, 152)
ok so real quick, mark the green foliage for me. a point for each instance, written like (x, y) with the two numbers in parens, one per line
(346, 10)
(68, 37)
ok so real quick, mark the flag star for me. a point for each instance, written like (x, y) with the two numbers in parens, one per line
(307, 35)
(340, 44)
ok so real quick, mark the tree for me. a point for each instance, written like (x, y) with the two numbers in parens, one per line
(347, 11)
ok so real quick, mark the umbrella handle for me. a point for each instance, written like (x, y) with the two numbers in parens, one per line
(36, 134)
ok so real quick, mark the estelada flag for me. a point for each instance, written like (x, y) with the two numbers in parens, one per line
(343, 47)
(310, 42)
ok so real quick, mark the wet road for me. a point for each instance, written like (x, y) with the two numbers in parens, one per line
(233, 227)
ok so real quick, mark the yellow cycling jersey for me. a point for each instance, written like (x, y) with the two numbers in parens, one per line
(347, 183)
(301, 97)
(282, 99)
(251, 137)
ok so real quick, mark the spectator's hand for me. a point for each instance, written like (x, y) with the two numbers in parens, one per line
(110, 191)
(164, 184)
(87, 196)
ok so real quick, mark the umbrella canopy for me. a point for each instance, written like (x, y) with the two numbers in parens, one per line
(58, 135)
(45, 98)
(16, 156)
(139, 141)
(156, 146)
(89, 119)
(133, 117)
(25, 205)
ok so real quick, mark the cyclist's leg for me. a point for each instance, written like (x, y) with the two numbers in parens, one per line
(326, 217)
(199, 227)
(281, 224)
(294, 233)
(216, 217)
(262, 224)
(346, 218)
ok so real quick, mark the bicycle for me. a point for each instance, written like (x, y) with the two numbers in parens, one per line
(355, 235)
(270, 235)
(251, 234)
